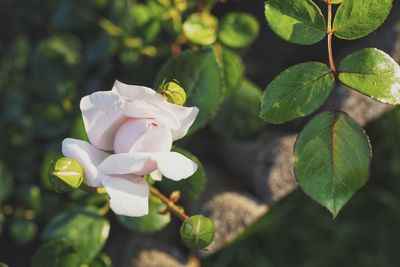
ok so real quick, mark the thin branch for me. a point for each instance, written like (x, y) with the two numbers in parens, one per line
(330, 34)
(171, 206)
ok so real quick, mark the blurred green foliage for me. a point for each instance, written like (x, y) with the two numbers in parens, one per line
(55, 52)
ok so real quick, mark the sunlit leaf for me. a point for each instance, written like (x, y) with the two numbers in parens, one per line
(296, 21)
(297, 92)
(201, 28)
(238, 29)
(357, 18)
(373, 73)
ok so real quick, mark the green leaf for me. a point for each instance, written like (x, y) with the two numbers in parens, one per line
(357, 18)
(191, 188)
(2, 264)
(297, 92)
(23, 231)
(238, 117)
(232, 69)
(201, 28)
(29, 196)
(238, 29)
(57, 253)
(373, 73)
(152, 222)
(101, 261)
(198, 73)
(83, 228)
(297, 21)
(332, 157)
(6, 182)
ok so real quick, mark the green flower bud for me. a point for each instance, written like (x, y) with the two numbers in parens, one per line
(65, 175)
(173, 92)
(197, 232)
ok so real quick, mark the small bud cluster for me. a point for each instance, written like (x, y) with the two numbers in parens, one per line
(197, 232)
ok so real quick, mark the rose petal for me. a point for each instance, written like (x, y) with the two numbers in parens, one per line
(174, 166)
(134, 91)
(103, 114)
(87, 155)
(129, 133)
(144, 109)
(128, 196)
(125, 163)
(157, 139)
(186, 117)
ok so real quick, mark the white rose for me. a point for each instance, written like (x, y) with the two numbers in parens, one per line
(139, 126)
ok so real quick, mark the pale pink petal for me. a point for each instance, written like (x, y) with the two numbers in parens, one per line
(185, 115)
(103, 114)
(138, 164)
(134, 91)
(128, 196)
(174, 166)
(86, 155)
(144, 109)
(129, 133)
(156, 139)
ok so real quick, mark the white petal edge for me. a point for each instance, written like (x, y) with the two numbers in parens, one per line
(103, 114)
(86, 155)
(134, 91)
(128, 196)
(186, 117)
(174, 166)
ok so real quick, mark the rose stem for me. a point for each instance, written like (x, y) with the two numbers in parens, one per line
(170, 205)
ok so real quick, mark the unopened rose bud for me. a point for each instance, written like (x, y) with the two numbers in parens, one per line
(65, 175)
(173, 92)
(197, 232)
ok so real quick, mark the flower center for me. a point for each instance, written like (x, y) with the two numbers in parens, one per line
(130, 132)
